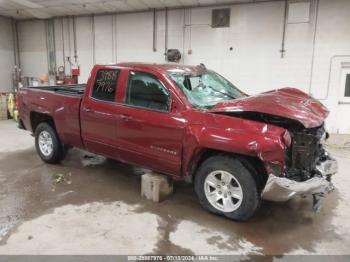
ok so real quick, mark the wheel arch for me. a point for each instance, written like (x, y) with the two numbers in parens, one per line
(253, 164)
(37, 117)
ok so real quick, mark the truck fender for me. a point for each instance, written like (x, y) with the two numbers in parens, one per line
(200, 141)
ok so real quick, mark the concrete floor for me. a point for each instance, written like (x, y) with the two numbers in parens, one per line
(98, 210)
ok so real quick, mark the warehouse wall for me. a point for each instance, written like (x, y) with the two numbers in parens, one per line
(312, 60)
(6, 55)
(32, 47)
(123, 37)
(332, 57)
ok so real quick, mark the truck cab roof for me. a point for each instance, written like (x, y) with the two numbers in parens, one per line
(164, 68)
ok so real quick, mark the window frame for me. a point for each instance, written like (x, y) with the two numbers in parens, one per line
(345, 72)
(169, 102)
(116, 86)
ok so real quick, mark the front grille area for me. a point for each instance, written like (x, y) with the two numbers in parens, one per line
(305, 152)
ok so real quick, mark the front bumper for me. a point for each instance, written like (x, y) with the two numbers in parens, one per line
(282, 189)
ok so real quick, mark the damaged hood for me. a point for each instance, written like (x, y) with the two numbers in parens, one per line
(289, 103)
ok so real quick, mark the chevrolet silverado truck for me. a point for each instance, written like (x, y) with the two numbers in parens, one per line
(191, 124)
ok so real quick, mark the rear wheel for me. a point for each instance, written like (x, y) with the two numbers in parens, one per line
(48, 144)
(225, 186)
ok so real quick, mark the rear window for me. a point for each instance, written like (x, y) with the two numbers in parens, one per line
(105, 86)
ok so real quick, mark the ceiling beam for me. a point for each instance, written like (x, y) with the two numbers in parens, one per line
(228, 3)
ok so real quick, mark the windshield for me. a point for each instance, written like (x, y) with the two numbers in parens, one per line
(206, 89)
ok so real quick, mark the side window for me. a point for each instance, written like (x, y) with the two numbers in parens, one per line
(144, 90)
(347, 85)
(105, 85)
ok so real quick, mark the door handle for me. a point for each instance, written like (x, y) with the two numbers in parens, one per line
(88, 109)
(125, 117)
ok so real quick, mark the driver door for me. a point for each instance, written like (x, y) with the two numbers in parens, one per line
(149, 132)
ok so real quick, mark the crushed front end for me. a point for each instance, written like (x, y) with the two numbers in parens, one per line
(308, 168)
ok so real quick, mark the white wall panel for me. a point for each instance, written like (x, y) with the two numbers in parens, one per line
(255, 35)
(59, 41)
(332, 49)
(64, 45)
(32, 47)
(6, 55)
(134, 38)
(175, 29)
(84, 46)
(104, 34)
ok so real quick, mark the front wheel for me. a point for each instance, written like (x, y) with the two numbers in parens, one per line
(48, 144)
(227, 187)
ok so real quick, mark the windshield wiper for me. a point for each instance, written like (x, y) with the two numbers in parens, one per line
(223, 93)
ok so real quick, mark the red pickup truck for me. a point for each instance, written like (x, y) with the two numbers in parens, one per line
(190, 123)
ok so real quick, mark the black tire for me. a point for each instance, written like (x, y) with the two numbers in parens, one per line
(58, 151)
(246, 178)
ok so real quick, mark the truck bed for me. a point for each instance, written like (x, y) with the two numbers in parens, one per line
(72, 90)
(60, 103)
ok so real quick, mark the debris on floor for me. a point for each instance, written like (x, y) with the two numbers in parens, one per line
(60, 178)
(92, 160)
